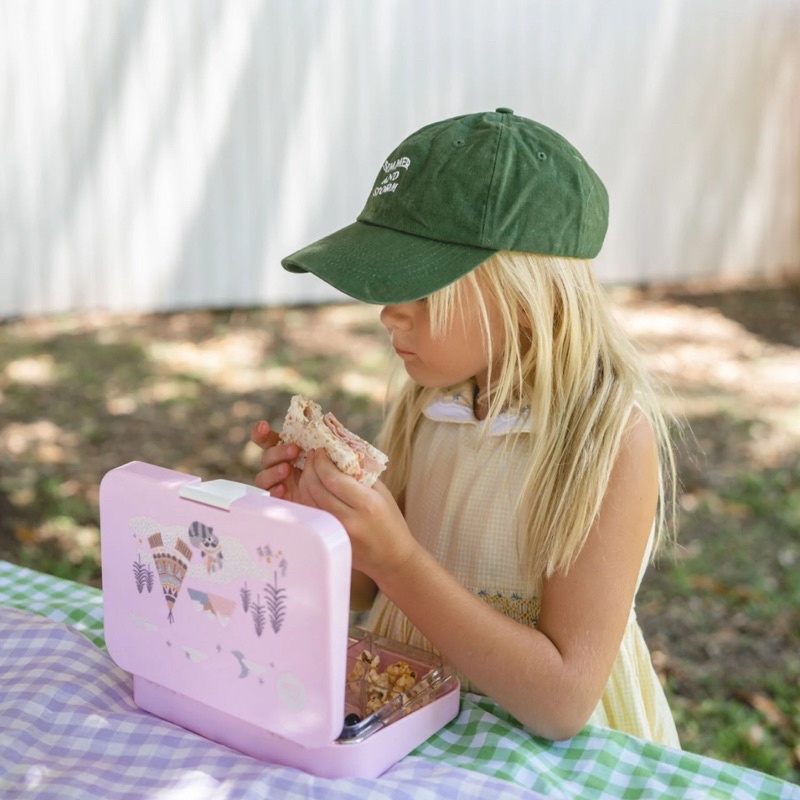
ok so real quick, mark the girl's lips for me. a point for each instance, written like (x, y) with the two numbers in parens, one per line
(402, 353)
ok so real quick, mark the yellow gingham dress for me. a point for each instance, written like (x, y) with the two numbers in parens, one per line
(459, 505)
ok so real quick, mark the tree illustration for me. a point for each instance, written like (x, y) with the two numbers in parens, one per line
(245, 595)
(258, 615)
(276, 603)
(149, 578)
(143, 576)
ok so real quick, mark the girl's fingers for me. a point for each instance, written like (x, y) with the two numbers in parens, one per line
(379, 535)
(279, 454)
(259, 433)
(262, 435)
(282, 489)
(326, 485)
(270, 478)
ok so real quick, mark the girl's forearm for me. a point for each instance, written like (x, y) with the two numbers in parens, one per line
(362, 591)
(517, 666)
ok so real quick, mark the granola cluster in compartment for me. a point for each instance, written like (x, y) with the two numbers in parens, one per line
(381, 686)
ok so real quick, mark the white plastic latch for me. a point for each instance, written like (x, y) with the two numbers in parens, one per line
(219, 493)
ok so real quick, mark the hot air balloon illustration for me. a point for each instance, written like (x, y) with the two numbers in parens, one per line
(171, 566)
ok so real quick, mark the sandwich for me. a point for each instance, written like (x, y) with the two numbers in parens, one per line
(306, 426)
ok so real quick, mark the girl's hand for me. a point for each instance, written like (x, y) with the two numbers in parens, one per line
(379, 536)
(277, 474)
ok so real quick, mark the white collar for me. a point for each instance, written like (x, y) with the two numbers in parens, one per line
(456, 404)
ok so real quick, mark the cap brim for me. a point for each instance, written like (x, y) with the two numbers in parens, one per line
(385, 266)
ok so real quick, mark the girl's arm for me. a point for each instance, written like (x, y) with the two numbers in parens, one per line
(362, 591)
(551, 677)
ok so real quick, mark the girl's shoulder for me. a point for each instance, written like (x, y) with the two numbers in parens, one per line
(640, 436)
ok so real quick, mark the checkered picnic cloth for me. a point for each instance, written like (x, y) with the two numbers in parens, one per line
(80, 607)
(69, 729)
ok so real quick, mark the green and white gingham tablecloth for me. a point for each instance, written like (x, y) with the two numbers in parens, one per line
(69, 729)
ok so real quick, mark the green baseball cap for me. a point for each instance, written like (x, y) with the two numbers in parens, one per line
(453, 194)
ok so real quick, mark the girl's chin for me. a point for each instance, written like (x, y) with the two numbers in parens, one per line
(428, 381)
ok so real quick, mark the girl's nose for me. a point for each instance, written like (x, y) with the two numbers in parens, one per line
(396, 318)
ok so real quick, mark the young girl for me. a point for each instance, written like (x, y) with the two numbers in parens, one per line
(524, 493)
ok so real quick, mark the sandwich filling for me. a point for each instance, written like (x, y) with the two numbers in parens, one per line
(307, 427)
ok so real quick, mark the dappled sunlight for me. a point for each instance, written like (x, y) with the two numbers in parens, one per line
(713, 364)
(368, 386)
(253, 359)
(38, 370)
(70, 541)
(42, 440)
(83, 394)
(162, 391)
(213, 359)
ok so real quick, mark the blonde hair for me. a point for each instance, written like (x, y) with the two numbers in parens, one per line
(567, 360)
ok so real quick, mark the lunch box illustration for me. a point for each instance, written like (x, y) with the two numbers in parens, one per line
(230, 608)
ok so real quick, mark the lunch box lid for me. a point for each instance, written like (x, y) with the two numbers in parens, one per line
(227, 596)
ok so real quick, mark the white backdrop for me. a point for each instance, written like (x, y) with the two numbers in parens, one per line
(162, 154)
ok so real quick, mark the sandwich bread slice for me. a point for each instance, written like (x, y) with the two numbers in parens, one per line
(306, 426)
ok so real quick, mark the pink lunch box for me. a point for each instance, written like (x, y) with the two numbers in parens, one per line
(231, 610)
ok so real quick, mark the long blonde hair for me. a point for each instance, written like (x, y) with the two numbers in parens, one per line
(567, 360)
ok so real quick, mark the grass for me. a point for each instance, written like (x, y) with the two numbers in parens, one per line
(730, 609)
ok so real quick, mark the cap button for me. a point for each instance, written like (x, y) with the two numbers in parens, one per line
(504, 110)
